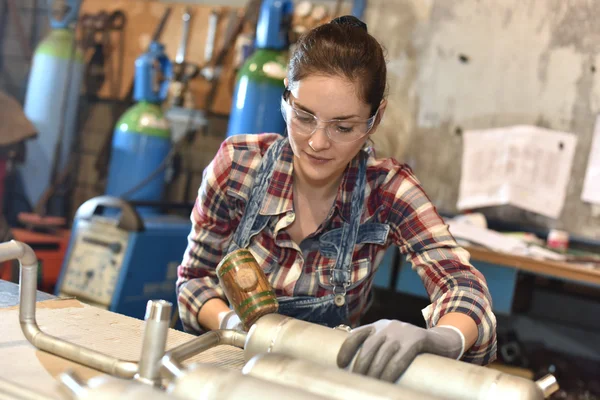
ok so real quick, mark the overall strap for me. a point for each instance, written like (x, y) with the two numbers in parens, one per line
(241, 237)
(341, 273)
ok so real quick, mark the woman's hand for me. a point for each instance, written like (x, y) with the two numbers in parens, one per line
(386, 348)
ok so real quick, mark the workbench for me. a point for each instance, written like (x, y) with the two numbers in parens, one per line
(9, 294)
(69, 319)
(501, 271)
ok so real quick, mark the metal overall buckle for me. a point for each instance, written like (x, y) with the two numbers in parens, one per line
(340, 296)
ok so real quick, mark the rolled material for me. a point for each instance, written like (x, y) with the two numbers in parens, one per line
(327, 381)
(429, 374)
(246, 287)
(207, 382)
(158, 317)
(27, 298)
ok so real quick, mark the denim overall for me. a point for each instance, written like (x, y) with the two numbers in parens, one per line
(330, 310)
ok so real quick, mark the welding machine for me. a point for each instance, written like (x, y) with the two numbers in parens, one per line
(118, 260)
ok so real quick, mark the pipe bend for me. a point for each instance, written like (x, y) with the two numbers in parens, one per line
(232, 337)
(30, 330)
(173, 359)
(125, 369)
(44, 341)
(27, 255)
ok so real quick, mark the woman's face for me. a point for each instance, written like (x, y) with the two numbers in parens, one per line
(318, 159)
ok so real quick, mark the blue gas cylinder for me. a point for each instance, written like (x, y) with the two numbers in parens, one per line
(259, 83)
(142, 137)
(51, 103)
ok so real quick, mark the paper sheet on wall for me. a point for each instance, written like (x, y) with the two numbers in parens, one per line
(591, 184)
(524, 166)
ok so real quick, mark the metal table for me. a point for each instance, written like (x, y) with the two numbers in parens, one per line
(9, 294)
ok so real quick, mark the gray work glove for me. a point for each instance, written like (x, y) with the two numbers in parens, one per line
(387, 347)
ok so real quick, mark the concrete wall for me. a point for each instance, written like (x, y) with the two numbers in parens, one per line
(453, 65)
(468, 64)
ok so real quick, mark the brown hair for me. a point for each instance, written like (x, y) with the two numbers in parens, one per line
(342, 47)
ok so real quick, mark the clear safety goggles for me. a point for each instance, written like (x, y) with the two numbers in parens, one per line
(338, 130)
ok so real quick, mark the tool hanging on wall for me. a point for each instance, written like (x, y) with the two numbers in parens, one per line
(51, 104)
(97, 30)
(183, 71)
(249, 15)
(208, 72)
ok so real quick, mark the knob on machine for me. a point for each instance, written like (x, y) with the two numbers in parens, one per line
(246, 287)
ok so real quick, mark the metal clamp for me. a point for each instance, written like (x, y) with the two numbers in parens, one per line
(340, 297)
(344, 328)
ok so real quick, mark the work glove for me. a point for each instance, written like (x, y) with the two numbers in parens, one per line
(230, 320)
(385, 349)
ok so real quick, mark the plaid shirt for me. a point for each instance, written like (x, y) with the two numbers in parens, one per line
(393, 197)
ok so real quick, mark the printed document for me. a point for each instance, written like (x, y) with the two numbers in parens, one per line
(523, 166)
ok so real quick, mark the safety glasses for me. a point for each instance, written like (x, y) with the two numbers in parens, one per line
(337, 130)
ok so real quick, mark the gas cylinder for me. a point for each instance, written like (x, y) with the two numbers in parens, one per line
(142, 136)
(256, 104)
(51, 101)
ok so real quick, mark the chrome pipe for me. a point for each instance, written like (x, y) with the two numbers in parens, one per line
(158, 317)
(13, 391)
(108, 387)
(207, 382)
(27, 304)
(71, 384)
(274, 333)
(173, 359)
(326, 381)
(548, 384)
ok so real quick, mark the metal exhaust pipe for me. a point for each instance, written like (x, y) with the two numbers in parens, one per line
(206, 382)
(326, 381)
(173, 359)
(13, 391)
(27, 299)
(274, 333)
(108, 387)
(158, 317)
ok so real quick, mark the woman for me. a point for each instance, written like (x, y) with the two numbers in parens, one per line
(318, 210)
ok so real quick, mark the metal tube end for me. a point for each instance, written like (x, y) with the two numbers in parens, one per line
(158, 310)
(171, 367)
(72, 384)
(548, 384)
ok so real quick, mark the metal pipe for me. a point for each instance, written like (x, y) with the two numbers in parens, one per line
(326, 381)
(173, 359)
(548, 384)
(207, 382)
(12, 391)
(72, 385)
(274, 333)
(158, 316)
(108, 387)
(27, 303)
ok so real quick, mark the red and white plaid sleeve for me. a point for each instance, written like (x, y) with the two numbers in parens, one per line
(453, 284)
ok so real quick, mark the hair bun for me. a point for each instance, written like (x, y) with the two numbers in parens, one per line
(351, 21)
